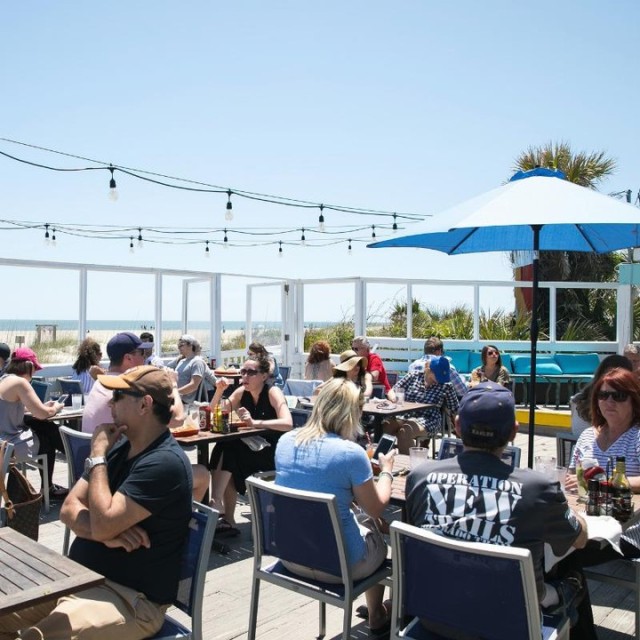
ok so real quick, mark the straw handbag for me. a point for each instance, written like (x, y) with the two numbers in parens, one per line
(21, 508)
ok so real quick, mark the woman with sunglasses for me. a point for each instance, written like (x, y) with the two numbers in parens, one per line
(615, 430)
(492, 369)
(258, 405)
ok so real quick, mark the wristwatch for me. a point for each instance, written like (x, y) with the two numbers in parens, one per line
(89, 463)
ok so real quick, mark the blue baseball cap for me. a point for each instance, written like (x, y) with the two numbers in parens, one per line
(441, 368)
(123, 343)
(487, 414)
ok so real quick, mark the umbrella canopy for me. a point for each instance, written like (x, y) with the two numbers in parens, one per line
(536, 210)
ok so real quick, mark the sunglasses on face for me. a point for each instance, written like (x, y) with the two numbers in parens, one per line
(249, 372)
(492, 353)
(616, 396)
(120, 393)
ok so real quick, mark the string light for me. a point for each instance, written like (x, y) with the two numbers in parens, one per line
(113, 192)
(321, 219)
(226, 240)
(395, 223)
(280, 250)
(303, 239)
(139, 238)
(131, 249)
(229, 214)
(349, 247)
(46, 234)
(53, 236)
(373, 230)
(207, 253)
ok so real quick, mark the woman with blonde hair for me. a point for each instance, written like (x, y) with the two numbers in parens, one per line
(323, 456)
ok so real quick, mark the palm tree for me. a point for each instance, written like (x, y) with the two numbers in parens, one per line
(587, 170)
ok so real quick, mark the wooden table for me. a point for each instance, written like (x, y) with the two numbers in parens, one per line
(31, 573)
(381, 409)
(204, 438)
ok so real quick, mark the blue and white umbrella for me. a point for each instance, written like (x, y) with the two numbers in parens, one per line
(537, 210)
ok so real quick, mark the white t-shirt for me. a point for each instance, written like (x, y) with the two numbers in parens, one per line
(96, 407)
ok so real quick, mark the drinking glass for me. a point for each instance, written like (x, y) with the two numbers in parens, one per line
(76, 401)
(399, 398)
(546, 465)
(561, 475)
(417, 455)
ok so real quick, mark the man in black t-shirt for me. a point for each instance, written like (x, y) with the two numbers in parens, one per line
(130, 512)
(477, 497)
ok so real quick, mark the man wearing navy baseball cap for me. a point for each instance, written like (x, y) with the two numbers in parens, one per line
(476, 496)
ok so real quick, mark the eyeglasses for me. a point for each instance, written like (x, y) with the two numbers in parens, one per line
(355, 348)
(249, 372)
(120, 393)
(616, 396)
(492, 353)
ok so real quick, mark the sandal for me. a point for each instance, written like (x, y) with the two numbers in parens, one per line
(56, 491)
(225, 529)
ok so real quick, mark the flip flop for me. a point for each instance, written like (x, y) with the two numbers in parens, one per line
(225, 529)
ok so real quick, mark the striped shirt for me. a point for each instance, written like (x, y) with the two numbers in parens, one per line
(627, 445)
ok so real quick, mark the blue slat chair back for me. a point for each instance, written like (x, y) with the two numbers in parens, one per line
(70, 386)
(298, 531)
(284, 372)
(451, 447)
(41, 389)
(300, 417)
(491, 588)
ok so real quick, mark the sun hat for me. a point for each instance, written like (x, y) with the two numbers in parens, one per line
(147, 380)
(441, 368)
(123, 343)
(24, 354)
(350, 359)
(487, 414)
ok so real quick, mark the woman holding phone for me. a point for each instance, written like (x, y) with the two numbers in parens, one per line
(323, 456)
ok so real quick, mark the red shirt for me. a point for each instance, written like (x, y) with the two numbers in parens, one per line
(375, 364)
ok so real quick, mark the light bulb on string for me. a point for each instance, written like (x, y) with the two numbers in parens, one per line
(113, 192)
(53, 237)
(226, 240)
(140, 245)
(47, 237)
(321, 219)
(303, 240)
(207, 253)
(280, 252)
(373, 230)
(349, 248)
(229, 213)
(131, 248)
(395, 223)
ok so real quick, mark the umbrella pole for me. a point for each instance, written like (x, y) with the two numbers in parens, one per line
(534, 340)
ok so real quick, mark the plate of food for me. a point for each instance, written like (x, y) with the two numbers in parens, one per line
(184, 431)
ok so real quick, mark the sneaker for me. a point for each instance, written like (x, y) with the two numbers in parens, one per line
(571, 590)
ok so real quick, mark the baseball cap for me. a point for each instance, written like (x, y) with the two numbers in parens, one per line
(24, 354)
(123, 343)
(441, 368)
(5, 350)
(348, 360)
(147, 380)
(487, 414)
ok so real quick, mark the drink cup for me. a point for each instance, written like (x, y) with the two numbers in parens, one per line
(561, 475)
(399, 397)
(417, 455)
(546, 465)
(76, 401)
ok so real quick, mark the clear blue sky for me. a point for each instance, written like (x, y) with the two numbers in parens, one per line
(407, 106)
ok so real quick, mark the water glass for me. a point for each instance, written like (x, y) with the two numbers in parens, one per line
(546, 465)
(417, 455)
(561, 475)
(399, 397)
(76, 401)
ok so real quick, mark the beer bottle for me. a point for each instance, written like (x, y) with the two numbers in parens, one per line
(217, 421)
(622, 505)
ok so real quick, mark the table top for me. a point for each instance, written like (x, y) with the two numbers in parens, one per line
(203, 437)
(31, 573)
(387, 408)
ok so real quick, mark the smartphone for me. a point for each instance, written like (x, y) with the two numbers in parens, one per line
(62, 398)
(385, 445)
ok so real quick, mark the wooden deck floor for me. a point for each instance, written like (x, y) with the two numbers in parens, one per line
(284, 615)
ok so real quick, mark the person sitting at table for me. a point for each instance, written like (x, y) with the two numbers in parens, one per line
(255, 350)
(148, 343)
(258, 405)
(130, 513)
(580, 403)
(318, 365)
(5, 354)
(362, 346)
(615, 430)
(492, 369)
(323, 456)
(191, 369)
(477, 497)
(89, 355)
(354, 368)
(431, 386)
(33, 435)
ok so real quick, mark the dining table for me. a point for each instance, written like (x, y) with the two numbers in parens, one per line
(31, 573)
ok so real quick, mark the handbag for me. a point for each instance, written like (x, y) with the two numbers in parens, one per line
(21, 508)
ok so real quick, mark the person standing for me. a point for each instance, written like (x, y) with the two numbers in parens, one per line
(130, 512)
(475, 496)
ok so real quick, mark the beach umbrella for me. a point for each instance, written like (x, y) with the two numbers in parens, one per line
(537, 210)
